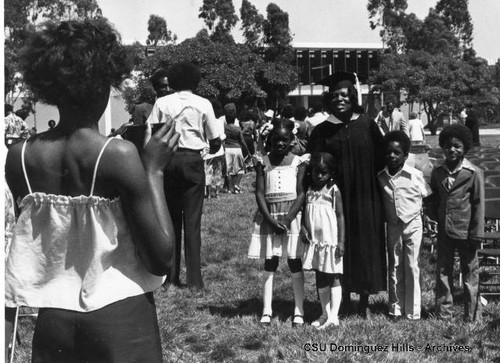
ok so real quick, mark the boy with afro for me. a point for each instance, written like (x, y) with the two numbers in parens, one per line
(457, 204)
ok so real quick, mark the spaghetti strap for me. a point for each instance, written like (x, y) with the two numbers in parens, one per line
(24, 167)
(97, 165)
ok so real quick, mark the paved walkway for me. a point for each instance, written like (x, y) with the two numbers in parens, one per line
(481, 132)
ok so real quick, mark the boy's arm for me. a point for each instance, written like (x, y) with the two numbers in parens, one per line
(476, 227)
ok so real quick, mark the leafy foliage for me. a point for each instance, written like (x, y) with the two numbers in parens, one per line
(158, 32)
(252, 24)
(220, 18)
(230, 72)
(438, 81)
(277, 35)
(456, 15)
(428, 60)
(390, 16)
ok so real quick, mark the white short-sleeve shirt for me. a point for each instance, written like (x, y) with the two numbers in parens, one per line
(193, 116)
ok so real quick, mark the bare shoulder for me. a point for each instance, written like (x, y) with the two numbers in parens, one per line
(120, 154)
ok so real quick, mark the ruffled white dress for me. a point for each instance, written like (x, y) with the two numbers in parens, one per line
(321, 222)
(280, 193)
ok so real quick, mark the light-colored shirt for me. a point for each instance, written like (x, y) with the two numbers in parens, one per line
(316, 119)
(15, 126)
(73, 253)
(402, 194)
(452, 174)
(193, 116)
(416, 129)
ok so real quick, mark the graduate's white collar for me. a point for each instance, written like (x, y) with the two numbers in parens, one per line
(334, 120)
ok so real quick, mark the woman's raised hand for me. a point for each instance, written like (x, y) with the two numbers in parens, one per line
(160, 149)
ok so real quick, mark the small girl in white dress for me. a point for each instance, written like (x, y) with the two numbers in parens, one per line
(280, 198)
(323, 230)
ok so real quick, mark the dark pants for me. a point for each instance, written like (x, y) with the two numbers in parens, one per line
(469, 264)
(184, 190)
(122, 332)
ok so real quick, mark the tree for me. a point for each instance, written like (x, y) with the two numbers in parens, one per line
(252, 24)
(455, 13)
(277, 35)
(432, 35)
(136, 53)
(390, 16)
(220, 18)
(230, 72)
(158, 33)
(438, 82)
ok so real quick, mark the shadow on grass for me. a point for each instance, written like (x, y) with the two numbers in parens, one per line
(282, 309)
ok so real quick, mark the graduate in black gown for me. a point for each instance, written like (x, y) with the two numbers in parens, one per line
(356, 142)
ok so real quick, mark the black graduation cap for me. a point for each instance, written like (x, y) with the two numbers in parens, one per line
(338, 80)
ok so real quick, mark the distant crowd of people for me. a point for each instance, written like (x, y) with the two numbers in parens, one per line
(101, 221)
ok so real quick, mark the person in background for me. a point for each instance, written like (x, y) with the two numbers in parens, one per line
(94, 237)
(301, 131)
(403, 188)
(462, 116)
(16, 128)
(195, 121)
(357, 144)
(235, 146)
(390, 119)
(416, 129)
(280, 198)
(215, 164)
(317, 117)
(248, 124)
(288, 112)
(142, 110)
(457, 205)
(472, 122)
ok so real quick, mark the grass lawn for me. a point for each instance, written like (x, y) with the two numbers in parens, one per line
(221, 323)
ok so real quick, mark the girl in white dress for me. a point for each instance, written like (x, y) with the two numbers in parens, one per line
(280, 198)
(323, 231)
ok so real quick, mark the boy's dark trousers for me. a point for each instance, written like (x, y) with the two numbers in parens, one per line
(469, 264)
(184, 191)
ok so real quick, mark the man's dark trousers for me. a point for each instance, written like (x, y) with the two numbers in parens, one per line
(184, 191)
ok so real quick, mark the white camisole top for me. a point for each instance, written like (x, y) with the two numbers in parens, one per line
(74, 253)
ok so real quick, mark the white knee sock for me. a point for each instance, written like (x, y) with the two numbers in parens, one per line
(325, 300)
(267, 293)
(298, 292)
(336, 298)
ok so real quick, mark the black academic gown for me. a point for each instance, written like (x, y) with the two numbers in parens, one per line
(358, 145)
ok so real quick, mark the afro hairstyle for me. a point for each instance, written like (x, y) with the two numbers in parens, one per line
(74, 62)
(184, 76)
(460, 132)
(398, 136)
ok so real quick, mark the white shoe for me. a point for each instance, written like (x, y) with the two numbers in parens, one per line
(321, 320)
(265, 320)
(329, 323)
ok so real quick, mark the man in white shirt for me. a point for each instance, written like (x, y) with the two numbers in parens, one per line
(185, 176)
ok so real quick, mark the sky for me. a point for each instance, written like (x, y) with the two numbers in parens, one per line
(311, 21)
